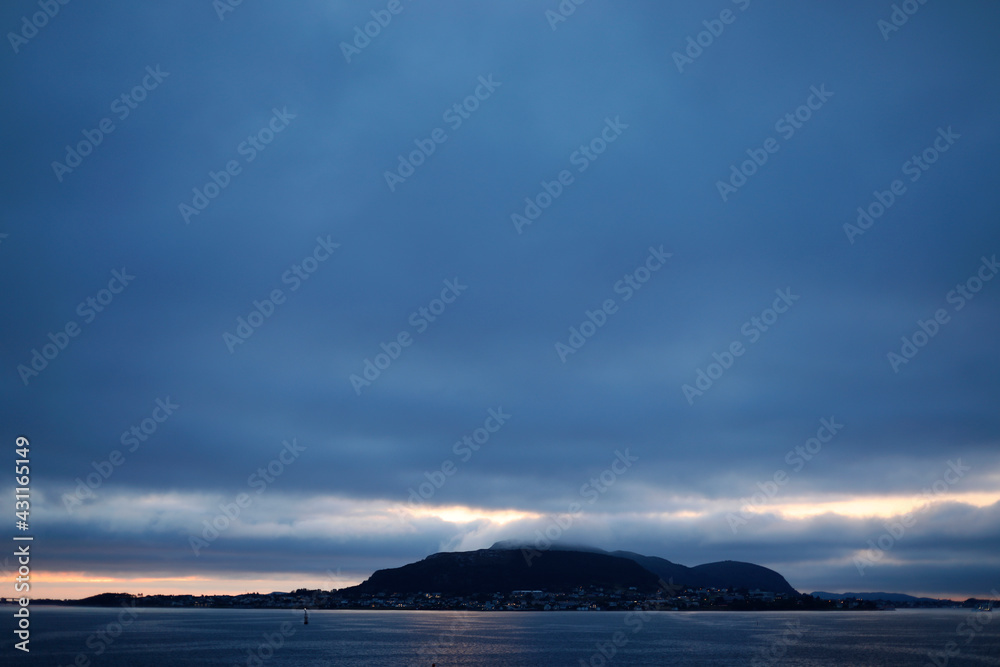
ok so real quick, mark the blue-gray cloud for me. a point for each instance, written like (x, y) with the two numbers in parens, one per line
(322, 177)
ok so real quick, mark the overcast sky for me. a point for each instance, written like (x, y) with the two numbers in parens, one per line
(624, 243)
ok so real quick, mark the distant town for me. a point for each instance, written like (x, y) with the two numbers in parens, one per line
(580, 599)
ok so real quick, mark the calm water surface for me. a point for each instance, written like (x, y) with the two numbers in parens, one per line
(156, 637)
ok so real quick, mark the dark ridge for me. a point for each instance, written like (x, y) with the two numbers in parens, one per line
(511, 565)
(736, 575)
(504, 570)
(877, 596)
(104, 600)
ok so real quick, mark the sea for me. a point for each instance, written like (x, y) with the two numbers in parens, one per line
(138, 637)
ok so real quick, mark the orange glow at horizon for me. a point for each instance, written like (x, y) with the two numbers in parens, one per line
(877, 506)
(463, 514)
(788, 509)
(78, 585)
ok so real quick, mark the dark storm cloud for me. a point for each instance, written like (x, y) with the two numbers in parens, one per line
(322, 180)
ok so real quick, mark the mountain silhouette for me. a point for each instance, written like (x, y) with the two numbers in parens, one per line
(507, 566)
(504, 570)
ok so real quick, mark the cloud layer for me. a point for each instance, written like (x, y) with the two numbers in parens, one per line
(636, 229)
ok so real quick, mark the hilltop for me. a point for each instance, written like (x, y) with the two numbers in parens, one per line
(505, 567)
